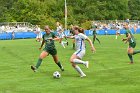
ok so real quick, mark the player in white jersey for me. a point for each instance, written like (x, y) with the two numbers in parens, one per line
(77, 56)
(38, 33)
(61, 34)
(118, 31)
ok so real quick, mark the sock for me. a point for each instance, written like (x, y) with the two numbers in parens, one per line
(62, 43)
(59, 64)
(78, 61)
(98, 40)
(116, 36)
(130, 57)
(38, 63)
(78, 69)
(136, 51)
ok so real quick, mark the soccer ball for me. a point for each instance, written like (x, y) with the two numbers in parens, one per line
(56, 74)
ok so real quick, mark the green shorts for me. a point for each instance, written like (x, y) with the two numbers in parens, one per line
(133, 45)
(52, 51)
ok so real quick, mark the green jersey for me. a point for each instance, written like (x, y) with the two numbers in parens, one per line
(49, 44)
(132, 41)
(94, 27)
(94, 32)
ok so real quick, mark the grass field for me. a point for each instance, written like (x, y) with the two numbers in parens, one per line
(109, 71)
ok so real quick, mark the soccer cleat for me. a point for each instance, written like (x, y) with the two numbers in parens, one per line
(131, 62)
(62, 69)
(84, 75)
(87, 64)
(33, 68)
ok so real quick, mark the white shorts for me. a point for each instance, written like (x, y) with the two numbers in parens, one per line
(80, 53)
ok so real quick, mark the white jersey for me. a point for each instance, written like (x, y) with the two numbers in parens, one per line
(60, 32)
(59, 29)
(38, 33)
(118, 29)
(37, 30)
(79, 41)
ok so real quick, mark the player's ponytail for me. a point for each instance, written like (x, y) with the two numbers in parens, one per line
(80, 30)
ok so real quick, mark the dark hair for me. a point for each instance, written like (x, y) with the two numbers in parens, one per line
(80, 30)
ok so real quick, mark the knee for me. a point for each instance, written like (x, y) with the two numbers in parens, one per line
(71, 60)
(72, 63)
(130, 52)
(42, 56)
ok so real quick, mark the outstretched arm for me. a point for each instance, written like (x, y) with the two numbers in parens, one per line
(71, 37)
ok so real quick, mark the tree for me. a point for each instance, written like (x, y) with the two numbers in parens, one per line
(79, 11)
(134, 7)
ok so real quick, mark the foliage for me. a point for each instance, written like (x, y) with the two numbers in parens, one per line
(86, 25)
(48, 12)
(134, 7)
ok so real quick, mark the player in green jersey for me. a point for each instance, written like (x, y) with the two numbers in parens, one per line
(132, 43)
(94, 28)
(48, 39)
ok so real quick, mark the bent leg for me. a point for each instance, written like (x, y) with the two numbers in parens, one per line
(55, 58)
(76, 67)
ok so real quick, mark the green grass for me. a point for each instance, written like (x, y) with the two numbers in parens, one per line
(109, 71)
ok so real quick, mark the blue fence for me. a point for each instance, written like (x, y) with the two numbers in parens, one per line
(23, 35)
(18, 35)
(110, 32)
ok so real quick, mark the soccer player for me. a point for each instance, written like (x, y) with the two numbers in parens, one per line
(38, 33)
(48, 39)
(61, 34)
(132, 43)
(118, 31)
(94, 28)
(76, 57)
